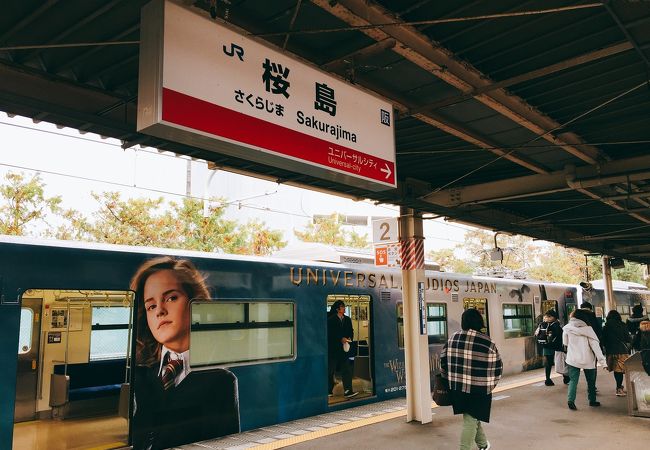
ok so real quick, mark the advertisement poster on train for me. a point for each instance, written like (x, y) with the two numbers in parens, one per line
(174, 405)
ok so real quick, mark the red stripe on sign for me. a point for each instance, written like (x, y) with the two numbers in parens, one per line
(190, 112)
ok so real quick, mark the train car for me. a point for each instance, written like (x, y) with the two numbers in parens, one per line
(625, 296)
(257, 339)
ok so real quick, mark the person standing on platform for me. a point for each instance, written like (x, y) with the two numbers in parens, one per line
(339, 336)
(635, 319)
(472, 365)
(616, 340)
(583, 352)
(549, 335)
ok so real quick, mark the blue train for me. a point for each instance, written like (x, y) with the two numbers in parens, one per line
(96, 327)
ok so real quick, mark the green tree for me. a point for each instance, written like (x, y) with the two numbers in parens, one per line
(183, 225)
(329, 230)
(448, 261)
(24, 205)
(558, 264)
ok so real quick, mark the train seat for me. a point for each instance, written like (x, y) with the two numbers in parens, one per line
(95, 379)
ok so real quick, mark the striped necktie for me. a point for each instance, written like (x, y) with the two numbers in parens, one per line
(170, 372)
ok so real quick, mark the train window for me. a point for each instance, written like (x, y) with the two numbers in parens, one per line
(549, 304)
(517, 320)
(109, 336)
(437, 323)
(25, 335)
(227, 333)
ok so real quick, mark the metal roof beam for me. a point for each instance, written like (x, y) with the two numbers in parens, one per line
(566, 64)
(418, 49)
(579, 178)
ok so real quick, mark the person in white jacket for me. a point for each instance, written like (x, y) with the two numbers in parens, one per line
(583, 352)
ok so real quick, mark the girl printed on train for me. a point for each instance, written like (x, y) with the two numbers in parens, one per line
(173, 404)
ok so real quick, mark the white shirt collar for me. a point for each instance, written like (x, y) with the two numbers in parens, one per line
(185, 356)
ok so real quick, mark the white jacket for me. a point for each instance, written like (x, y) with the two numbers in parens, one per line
(583, 347)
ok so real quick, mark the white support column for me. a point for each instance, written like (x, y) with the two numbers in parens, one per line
(607, 286)
(416, 345)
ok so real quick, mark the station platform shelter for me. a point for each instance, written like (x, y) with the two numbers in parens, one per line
(526, 414)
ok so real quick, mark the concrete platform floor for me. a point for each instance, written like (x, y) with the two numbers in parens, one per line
(532, 416)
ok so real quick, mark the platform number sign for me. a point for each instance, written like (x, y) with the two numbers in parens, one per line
(385, 231)
(385, 238)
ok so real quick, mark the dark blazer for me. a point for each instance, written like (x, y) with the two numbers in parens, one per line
(336, 330)
(203, 406)
(615, 338)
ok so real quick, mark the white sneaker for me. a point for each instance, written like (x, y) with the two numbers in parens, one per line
(487, 446)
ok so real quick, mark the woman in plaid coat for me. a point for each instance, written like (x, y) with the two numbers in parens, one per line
(472, 365)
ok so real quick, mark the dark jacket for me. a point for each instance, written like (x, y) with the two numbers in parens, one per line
(471, 363)
(595, 323)
(554, 333)
(336, 330)
(633, 323)
(204, 405)
(615, 337)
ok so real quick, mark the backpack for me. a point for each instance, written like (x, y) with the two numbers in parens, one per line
(544, 335)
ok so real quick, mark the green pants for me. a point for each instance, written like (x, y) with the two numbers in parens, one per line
(472, 432)
(574, 374)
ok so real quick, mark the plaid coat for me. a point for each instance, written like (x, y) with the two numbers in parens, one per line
(471, 363)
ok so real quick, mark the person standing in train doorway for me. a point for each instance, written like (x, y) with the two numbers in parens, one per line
(339, 336)
(472, 365)
(173, 404)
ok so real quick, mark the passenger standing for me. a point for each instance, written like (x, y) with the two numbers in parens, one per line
(641, 340)
(635, 319)
(471, 363)
(339, 333)
(549, 335)
(583, 352)
(616, 340)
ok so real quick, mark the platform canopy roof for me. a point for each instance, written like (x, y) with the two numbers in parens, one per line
(530, 117)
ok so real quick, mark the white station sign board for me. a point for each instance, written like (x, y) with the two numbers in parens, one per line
(205, 85)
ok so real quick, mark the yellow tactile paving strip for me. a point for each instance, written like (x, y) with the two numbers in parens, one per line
(372, 420)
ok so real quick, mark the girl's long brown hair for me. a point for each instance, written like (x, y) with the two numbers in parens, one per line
(147, 349)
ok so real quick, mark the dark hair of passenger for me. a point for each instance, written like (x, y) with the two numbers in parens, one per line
(472, 320)
(586, 305)
(614, 315)
(637, 311)
(581, 314)
(551, 313)
(147, 349)
(335, 307)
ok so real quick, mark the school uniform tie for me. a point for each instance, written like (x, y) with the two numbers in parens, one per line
(170, 371)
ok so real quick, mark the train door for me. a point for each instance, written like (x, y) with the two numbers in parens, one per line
(482, 306)
(358, 308)
(28, 360)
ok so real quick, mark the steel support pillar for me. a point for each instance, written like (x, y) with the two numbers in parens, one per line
(607, 286)
(416, 345)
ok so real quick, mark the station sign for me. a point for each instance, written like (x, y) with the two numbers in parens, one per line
(205, 84)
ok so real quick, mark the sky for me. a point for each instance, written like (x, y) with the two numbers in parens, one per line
(73, 165)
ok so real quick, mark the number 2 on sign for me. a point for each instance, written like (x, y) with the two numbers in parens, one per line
(385, 235)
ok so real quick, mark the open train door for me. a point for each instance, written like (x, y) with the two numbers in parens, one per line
(358, 308)
(28, 360)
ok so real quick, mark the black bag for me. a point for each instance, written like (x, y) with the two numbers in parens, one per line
(543, 334)
(440, 393)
